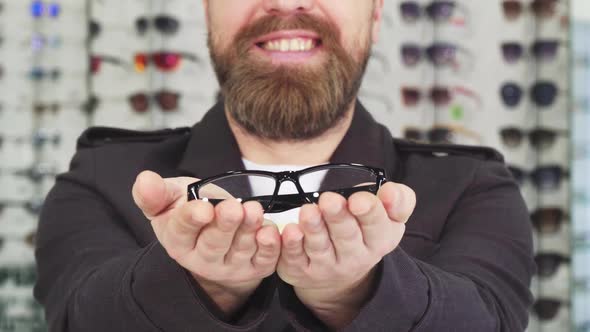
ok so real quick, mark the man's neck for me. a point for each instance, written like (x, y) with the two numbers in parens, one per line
(302, 152)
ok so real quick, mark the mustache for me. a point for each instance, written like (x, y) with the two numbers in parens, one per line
(327, 31)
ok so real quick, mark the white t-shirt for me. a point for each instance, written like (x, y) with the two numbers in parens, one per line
(290, 216)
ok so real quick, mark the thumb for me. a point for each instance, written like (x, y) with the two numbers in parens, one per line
(152, 194)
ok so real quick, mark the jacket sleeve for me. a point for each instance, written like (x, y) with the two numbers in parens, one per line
(94, 276)
(477, 280)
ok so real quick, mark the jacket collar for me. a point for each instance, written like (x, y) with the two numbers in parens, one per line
(212, 148)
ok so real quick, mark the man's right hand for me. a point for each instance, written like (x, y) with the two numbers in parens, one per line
(226, 247)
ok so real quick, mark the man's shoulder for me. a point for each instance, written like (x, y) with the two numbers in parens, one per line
(94, 137)
(482, 153)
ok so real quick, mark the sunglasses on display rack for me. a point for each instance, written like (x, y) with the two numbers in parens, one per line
(549, 177)
(548, 263)
(542, 50)
(548, 220)
(39, 138)
(164, 60)
(441, 134)
(140, 102)
(165, 24)
(540, 138)
(513, 9)
(440, 54)
(547, 308)
(437, 11)
(542, 93)
(439, 95)
(39, 74)
(40, 9)
(36, 173)
(96, 62)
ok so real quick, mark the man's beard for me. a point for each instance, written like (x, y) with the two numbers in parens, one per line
(283, 102)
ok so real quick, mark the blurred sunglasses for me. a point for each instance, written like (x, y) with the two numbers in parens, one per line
(548, 220)
(440, 134)
(166, 25)
(167, 101)
(544, 178)
(94, 29)
(164, 61)
(96, 62)
(542, 50)
(548, 263)
(40, 9)
(38, 172)
(440, 54)
(543, 94)
(540, 138)
(43, 108)
(39, 74)
(513, 9)
(437, 11)
(547, 309)
(439, 96)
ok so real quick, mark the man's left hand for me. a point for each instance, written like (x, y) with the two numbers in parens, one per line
(330, 256)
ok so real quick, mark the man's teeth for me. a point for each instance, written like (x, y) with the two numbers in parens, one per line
(289, 45)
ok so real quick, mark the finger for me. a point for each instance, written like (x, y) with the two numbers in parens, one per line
(292, 247)
(343, 227)
(216, 239)
(316, 239)
(377, 229)
(181, 231)
(399, 201)
(153, 194)
(268, 243)
(244, 244)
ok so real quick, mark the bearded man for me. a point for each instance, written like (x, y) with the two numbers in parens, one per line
(194, 229)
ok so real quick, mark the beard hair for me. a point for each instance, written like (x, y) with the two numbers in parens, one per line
(286, 103)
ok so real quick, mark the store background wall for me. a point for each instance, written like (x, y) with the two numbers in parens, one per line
(48, 97)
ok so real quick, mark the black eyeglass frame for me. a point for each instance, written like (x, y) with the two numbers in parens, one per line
(280, 203)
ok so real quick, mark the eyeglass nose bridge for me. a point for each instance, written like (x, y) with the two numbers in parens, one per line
(290, 176)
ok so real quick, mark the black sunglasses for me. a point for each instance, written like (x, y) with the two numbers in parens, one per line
(542, 93)
(540, 138)
(165, 24)
(548, 263)
(437, 11)
(439, 54)
(548, 220)
(547, 308)
(167, 101)
(542, 50)
(264, 187)
(547, 177)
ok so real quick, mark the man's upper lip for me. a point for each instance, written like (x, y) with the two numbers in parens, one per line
(287, 34)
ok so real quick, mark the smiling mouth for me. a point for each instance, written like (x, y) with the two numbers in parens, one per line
(290, 45)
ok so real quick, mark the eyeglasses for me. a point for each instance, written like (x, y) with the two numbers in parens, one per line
(97, 60)
(164, 61)
(513, 9)
(540, 138)
(438, 95)
(39, 9)
(165, 24)
(441, 134)
(439, 54)
(265, 187)
(546, 308)
(543, 94)
(548, 220)
(542, 50)
(548, 263)
(21, 276)
(167, 100)
(437, 11)
(38, 74)
(544, 178)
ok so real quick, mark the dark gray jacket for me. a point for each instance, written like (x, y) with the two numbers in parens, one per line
(464, 264)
